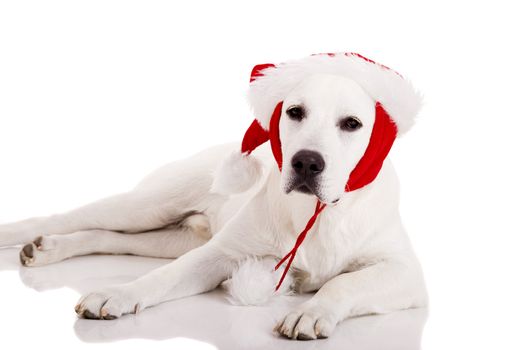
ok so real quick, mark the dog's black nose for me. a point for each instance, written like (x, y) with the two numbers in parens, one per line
(307, 163)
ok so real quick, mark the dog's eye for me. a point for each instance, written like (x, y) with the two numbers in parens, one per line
(295, 113)
(350, 124)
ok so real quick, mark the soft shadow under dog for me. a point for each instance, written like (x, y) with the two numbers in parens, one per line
(207, 317)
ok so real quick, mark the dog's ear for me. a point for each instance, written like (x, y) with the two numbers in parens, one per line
(257, 70)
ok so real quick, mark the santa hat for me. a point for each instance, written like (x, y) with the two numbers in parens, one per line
(397, 104)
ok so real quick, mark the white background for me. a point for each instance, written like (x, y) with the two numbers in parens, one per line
(95, 94)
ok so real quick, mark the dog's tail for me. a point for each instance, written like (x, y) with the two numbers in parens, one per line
(254, 281)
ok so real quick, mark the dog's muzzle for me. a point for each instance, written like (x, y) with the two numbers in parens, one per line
(307, 166)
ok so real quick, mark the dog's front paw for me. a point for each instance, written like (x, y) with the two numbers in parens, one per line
(308, 322)
(107, 304)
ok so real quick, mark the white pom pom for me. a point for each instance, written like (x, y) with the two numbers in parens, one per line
(237, 173)
(253, 283)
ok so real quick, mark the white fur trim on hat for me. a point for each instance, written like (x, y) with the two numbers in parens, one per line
(397, 95)
(236, 173)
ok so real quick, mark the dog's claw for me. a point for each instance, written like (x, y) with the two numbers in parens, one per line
(78, 309)
(38, 242)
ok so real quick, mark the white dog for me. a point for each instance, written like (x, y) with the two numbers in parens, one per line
(331, 120)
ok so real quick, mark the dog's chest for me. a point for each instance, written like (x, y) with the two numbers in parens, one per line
(328, 249)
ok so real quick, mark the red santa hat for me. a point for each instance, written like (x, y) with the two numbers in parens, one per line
(397, 104)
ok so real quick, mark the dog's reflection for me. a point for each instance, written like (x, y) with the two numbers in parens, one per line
(207, 317)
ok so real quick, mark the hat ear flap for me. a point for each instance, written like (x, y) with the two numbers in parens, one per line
(275, 138)
(383, 135)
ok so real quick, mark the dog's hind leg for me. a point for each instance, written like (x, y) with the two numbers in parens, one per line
(170, 242)
(156, 202)
(127, 212)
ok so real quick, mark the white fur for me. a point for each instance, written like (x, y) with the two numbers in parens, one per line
(254, 281)
(357, 257)
(327, 99)
(396, 94)
(237, 173)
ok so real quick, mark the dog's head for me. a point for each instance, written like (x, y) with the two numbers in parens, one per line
(325, 127)
(331, 120)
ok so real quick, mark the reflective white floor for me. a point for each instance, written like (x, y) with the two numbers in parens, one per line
(204, 321)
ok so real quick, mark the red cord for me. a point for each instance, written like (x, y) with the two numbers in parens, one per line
(291, 255)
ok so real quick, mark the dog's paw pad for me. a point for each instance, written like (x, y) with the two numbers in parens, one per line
(26, 254)
(89, 314)
(108, 314)
(303, 336)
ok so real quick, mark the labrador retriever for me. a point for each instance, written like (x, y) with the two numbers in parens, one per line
(356, 255)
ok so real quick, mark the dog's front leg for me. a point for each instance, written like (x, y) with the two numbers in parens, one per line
(198, 271)
(383, 287)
